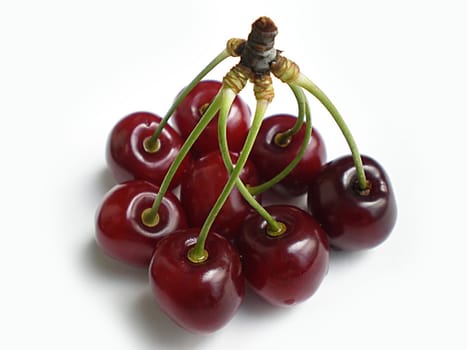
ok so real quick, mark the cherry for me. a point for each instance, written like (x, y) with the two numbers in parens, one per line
(200, 297)
(288, 267)
(271, 154)
(352, 218)
(190, 110)
(120, 231)
(127, 157)
(200, 190)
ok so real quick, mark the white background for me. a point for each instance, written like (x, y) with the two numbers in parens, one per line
(69, 70)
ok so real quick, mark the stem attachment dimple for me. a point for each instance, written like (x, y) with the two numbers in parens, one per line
(203, 108)
(151, 146)
(277, 231)
(282, 139)
(362, 192)
(196, 258)
(149, 219)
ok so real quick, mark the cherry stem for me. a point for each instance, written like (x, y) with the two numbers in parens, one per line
(198, 251)
(226, 102)
(191, 139)
(151, 143)
(303, 108)
(283, 139)
(311, 87)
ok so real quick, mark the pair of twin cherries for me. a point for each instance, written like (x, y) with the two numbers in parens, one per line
(202, 245)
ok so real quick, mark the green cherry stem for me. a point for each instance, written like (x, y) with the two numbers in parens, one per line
(198, 254)
(311, 87)
(304, 108)
(227, 99)
(149, 214)
(226, 102)
(284, 138)
(151, 144)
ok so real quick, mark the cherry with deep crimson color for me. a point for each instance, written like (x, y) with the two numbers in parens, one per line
(128, 160)
(289, 268)
(353, 220)
(200, 297)
(119, 230)
(190, 110)
(271, 158)
(200, 190)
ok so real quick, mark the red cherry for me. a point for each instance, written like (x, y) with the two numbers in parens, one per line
(200, 297)
(127, 158)
(352, 219)
(200, 190)
(288, 268)
(119, 229)
(270, 158)
(190, 110)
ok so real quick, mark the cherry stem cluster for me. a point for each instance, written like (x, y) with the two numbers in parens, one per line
(287, 72)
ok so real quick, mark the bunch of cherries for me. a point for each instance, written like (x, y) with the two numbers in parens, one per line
(202, 245)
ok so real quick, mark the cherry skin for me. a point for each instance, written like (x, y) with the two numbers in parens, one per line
(190, 110)
(352, 219)
(120, 231)
(270, 158)
(200, 297)
(286, 269)
(127, 158)
(200, 190)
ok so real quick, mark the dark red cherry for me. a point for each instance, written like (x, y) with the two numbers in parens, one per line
(119, 229)
(127, 158)
(200, 190)
(270, 157)
(353, 219)
(199, 297)
(190, 110)
(289, 268)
